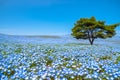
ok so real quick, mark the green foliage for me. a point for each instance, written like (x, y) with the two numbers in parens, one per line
(117, 60)
(49, 51)
(18, 50)
(49, 61)
(105, 58)
(90, 28)
(10, 73)
(4, 52)
(33, 65)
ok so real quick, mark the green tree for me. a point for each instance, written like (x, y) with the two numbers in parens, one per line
(91, 29)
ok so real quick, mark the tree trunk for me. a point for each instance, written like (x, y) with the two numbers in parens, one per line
(91, 43)
(90, 37)
(91, 40)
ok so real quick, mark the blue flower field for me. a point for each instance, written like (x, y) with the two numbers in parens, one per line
(58, 58)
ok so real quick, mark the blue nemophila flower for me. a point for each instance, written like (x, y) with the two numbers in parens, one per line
(89, 76)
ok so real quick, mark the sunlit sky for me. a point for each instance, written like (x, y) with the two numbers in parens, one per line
(53, 17)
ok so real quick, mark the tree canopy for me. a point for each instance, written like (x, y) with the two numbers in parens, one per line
(90, 28)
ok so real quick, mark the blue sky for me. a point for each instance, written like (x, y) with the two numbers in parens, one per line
(53, 17)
